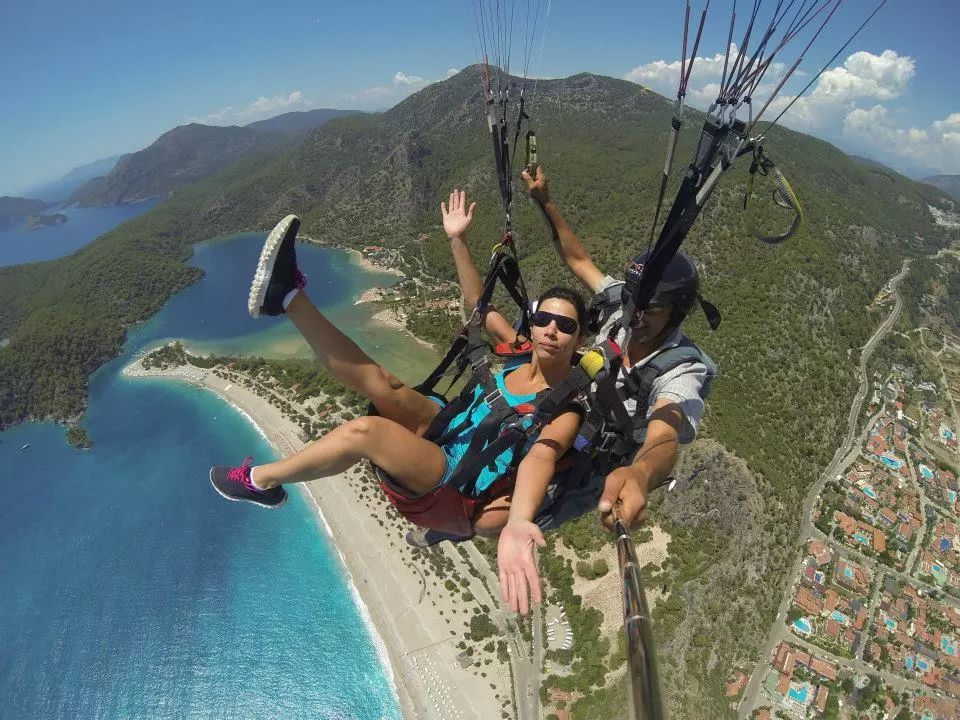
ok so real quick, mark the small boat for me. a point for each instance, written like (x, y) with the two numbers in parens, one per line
(25, 446)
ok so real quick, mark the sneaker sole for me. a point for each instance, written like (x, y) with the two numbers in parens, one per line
(233, 499)
(268, 256)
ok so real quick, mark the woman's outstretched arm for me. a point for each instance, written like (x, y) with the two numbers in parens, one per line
(518, 569)
(456, 219)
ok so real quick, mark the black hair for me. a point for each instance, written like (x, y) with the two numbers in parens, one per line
(571, 296)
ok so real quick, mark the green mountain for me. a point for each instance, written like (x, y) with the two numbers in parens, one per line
(176, 159)
(950, 184)
(794, 315)
(14, 209)
(299, 122)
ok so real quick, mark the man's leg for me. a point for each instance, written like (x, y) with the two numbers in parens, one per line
(415, 464)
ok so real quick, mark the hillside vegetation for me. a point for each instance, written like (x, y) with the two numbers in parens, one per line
(794, 316)
(176, 159)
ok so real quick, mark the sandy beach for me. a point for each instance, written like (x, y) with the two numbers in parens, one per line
(416, 622)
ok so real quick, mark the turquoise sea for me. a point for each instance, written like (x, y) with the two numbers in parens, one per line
(132, 589)
(84, 224)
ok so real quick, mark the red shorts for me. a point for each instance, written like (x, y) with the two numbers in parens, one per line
(444, 508)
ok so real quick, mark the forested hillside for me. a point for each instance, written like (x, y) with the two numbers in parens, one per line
(794, 316)
(298, 122)
(177, 158)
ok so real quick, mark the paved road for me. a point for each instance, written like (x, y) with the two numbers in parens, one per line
(751, 693)
(871, 613)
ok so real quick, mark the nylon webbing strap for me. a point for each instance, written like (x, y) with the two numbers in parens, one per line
(783, 195)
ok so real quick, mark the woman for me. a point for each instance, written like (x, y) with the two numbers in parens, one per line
(394, 440)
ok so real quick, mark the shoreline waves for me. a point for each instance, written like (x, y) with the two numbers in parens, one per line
(418, 650)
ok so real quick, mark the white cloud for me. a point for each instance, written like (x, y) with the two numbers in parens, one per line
(664, 76)
(402, 86)
(936, 147)
(403, 79)
(845, 102)
(262, 107)
(863, 76)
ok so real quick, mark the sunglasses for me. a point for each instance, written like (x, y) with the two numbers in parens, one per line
(566, 325)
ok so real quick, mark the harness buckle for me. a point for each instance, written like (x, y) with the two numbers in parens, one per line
(524, 423)
(610, 438)
(490, 398)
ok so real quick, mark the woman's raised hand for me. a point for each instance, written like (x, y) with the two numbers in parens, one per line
(519, 580)
(457, 217)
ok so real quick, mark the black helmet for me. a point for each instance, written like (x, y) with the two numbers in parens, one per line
(680, 285)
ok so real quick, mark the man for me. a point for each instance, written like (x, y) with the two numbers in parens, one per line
(674, 405)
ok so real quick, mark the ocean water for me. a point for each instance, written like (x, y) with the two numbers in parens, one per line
(212, 316)
(134, 591)
(19, 245)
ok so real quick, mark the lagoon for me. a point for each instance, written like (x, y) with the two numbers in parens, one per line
(133, 589)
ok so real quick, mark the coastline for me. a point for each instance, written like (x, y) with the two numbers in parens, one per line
(418, 651)
(358, 257)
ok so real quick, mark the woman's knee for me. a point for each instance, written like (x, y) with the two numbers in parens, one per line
(362, 431)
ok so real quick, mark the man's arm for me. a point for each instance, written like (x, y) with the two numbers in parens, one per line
(626, 488)
(566, 242)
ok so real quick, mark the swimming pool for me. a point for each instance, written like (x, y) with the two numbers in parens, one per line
(908, 662)
(890, 624)
(869, 492)
(944, 544)
(861, 538)
(840, 617)
(890, 462)
(848, 572)
(925, 471)
(803, 626)
(799, 693)
(946, 644)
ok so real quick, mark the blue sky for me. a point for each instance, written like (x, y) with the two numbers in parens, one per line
(84, 81)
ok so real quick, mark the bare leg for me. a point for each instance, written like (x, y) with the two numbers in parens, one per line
(355, 369)
(493, 517)
(416, 464)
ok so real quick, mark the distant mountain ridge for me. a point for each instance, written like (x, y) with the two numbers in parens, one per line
(299, 122)
(177, 158)
(950, 184)
(191, 152)
(870, 162)
(59, 190)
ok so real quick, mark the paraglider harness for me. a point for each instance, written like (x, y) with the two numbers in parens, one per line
(608, 437)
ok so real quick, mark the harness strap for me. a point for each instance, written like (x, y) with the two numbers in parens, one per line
(783, 195)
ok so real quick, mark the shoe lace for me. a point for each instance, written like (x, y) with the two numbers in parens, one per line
(299, 279)
(242, 474)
